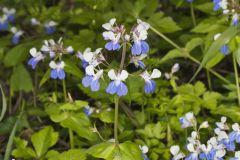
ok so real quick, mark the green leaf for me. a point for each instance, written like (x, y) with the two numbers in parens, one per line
(238, 56)
(22, 151)
(44, 139)
(163, 24)
(73, 69)
(21, 80)
(130, 151)
(4, 104)
(72, 154)
(228, 111)
(216, 45)
(193, 43)
(175, 53)
(45, 77)
(103, 150)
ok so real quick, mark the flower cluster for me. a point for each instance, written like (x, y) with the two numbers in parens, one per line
(49, 26)
(6, 19)
(117, 37)
(229, 7)
(55, 51)
(218, 147)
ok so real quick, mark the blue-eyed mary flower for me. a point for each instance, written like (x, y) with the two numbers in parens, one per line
(220, 4)
(139, 34)
(188, 120)
(144, 150)
(88, 57)
(113, 35)
(35, 22)
(10, 13)
(117, 85)
(177, 154)
(92, 78)
(175, 68)
(190, 1)
(36, 57)
(3, 23)
(50, 27)
(137, 61)
(16, 35)
(235, 19)
(57, 71)
(235, 134)
(150, 84)
(208, 152)
(224, 49)
(88, 110)
(222, 125)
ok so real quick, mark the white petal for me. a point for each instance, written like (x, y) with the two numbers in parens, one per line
(112, 21)
(99, 74)
(69, 49)
(237, 154)
(174, 150)
(235, 127)
(112, 75)
(223, 119)
(189, 116)
(88, 56)
(144, 149)
(216, 36)
(90, 70)
(220, 153)
(123, 75)
(53, 65)
(190, 147)
(175, 68)
(204, 125)
(33, 52)
(61, 65)
(155, 74)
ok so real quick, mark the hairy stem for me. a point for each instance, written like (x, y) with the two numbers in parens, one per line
(193, 15)
(116, 120)
(64, 90)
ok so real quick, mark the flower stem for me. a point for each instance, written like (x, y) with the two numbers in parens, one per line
(71, 137)
(64, 90)
(186, 54)
(123, 56)
(193, 15)
(236, 76)
(116, 120)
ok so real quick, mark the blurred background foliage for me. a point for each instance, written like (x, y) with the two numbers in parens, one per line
(37, 116)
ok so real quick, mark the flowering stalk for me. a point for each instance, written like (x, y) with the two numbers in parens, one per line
(236, 76)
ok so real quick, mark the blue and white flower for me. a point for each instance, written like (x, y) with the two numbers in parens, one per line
(235, 134)
(208, 153)
(237, 156)
(224, 49)
(188, 120)
(194, 152)
(92, 79)
(35, 22)
(117, 85)
(88, 110)
(220, 4)
(139, 34)
(177, 154)
(57, 70)
(137, 61)
(16, 35)
(10, 13)
(144, 150)
(190, 1)
(36, 57)
(150, 84)
(175, 68)
(223, 138)
(222, 125)
(91, 58)
(3, 23)
(235, 19)
(50, 27)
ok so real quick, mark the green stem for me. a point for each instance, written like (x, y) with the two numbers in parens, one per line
(64, 90)
(236, 76)
(209, 80)
(116, 120)
(71, 137)
(123, 56)
(186, 54)
(193, 15)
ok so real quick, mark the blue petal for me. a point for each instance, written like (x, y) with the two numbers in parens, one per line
(116, 46)
(122, 89)
(150, 86)
(95, 85)
(112, 88)
(216, 5)
(87, 80)
(144, 47)
(141, 64)
(136, 48)
(109, 46)
(33, 62)
(3, 26)
(50, 30)
(61, 74)
(10, 18)
(224, 49)
(15, 39)
(232, 136)
(54, 74)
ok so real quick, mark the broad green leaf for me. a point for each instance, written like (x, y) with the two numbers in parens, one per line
(130, 151)
(163, 24)
(214, 61)
(76, 105)
(216, 45)
(193, 43)
(44, 139)
(21, 80)
(22, 151)
(80, 124)
(175, 53)
(104, 150)
(228, 111)
(72, 154)
(4, 104)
